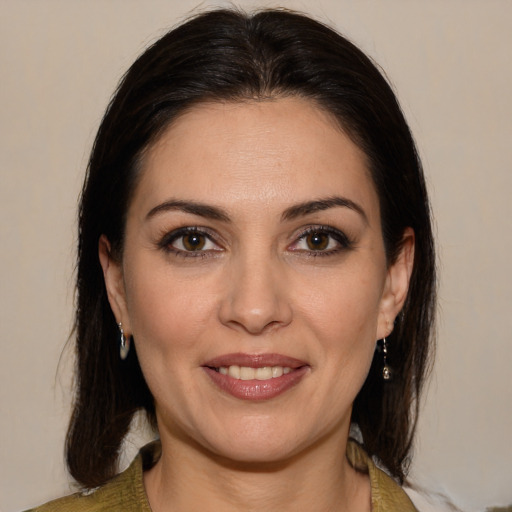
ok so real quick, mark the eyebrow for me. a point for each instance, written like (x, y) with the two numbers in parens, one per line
(319, 205)
(200, 209)
(291, 213)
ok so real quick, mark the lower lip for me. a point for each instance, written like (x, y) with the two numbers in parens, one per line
(257, 389)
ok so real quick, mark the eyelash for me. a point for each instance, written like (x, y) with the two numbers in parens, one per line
(342, 240)
(173, 236)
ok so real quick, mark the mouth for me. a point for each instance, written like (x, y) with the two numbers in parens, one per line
(255, 377)
(247, 373)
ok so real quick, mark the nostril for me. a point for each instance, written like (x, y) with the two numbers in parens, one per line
(254, 301)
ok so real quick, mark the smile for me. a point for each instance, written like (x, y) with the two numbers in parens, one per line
(248, 373)
(255, 377)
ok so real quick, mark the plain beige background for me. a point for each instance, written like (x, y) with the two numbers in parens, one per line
(451, 64)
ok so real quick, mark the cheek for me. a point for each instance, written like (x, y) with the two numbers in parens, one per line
(342, 315)
(168, 316)
(166, 313)
(345, 303)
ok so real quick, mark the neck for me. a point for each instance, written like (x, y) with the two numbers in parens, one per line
(318, 480)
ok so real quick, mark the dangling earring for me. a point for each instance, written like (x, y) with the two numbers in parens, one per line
(386, 370)
(124, 346)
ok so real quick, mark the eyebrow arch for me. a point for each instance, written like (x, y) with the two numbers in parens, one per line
(200, 209)
(319, 205)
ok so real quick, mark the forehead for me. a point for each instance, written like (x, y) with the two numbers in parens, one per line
(268, 153)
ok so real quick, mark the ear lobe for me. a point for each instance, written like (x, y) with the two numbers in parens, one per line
(114, 283)
(397, 284)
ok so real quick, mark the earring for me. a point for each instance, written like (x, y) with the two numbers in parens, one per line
(386, 370)
(124, 346)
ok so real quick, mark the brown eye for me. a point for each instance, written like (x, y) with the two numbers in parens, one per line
(321, 241)
(190, 241)
(194, 241)
(317, 241)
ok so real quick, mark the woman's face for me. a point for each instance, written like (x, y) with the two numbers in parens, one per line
(254, 278)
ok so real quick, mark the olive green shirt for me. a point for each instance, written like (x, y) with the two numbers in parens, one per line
(126, 492)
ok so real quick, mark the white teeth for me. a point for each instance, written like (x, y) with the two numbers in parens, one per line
(248, 373)
(234, 371)
(264, 373)
(277, 371)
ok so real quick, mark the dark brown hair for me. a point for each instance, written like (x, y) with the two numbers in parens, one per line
(226, 55)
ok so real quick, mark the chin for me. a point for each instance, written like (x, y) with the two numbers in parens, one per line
(259, 443)
(252, 453)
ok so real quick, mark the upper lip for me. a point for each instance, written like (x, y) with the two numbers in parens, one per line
(255, 361)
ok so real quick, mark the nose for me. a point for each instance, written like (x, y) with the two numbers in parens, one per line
(255, 300)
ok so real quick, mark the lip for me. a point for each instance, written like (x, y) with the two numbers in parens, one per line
(256, 390)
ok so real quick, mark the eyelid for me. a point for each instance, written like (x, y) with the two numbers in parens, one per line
(170, 237)
(343, 241)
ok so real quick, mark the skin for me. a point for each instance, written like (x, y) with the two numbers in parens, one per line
(257, 286)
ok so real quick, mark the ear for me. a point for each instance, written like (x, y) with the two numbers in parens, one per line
(114, 283)
(397, 285)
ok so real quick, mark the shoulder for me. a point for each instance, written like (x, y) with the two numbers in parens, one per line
(115, 495)
(387, 495)
(124, 493)
(75, 502)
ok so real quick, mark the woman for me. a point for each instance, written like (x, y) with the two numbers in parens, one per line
(255, 272)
